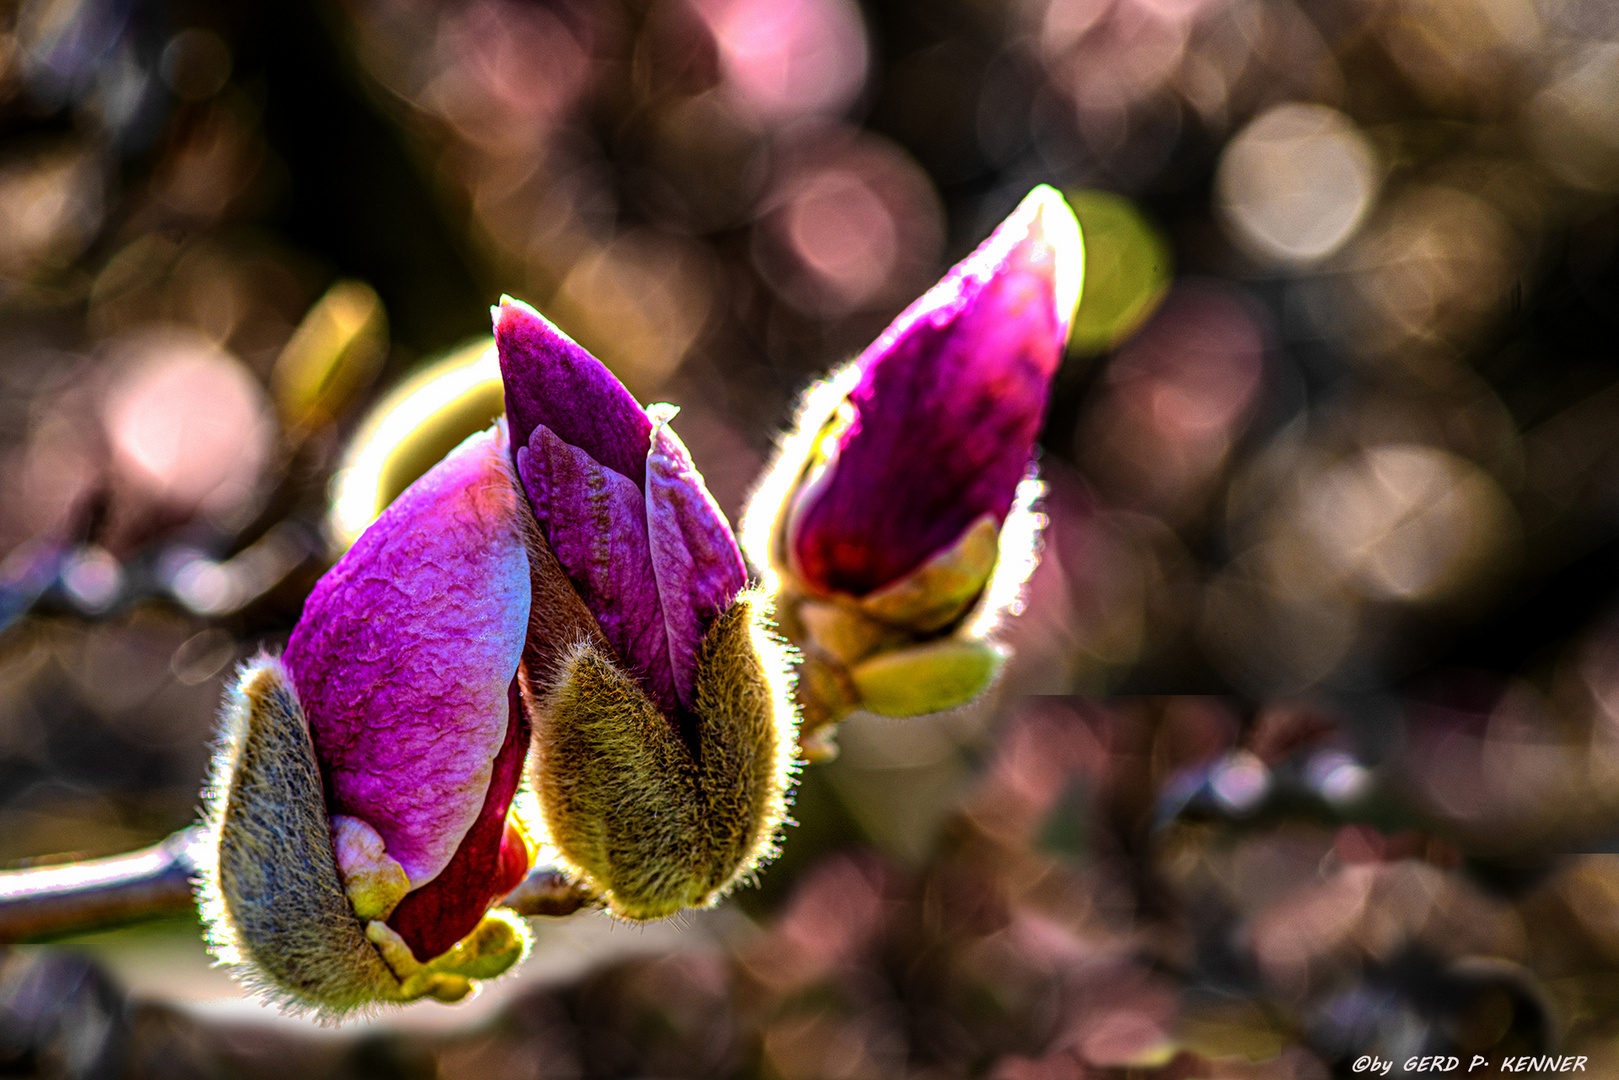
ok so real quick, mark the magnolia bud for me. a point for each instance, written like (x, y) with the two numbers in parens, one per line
(274, 903)
(361, 801)
(897, 524)
(665, 738)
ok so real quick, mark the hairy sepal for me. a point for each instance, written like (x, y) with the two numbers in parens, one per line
(638, 818)
(275, 906)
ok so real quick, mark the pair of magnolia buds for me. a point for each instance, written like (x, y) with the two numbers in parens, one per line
(561, 599)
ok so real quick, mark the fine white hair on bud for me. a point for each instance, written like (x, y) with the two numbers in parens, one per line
(274, 906)
(897, 526)
(647, 822)
(293, 900)
(761, 531)
(883, 652)
(1020, 546)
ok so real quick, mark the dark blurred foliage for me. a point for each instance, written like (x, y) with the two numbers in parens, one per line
(1311, 745)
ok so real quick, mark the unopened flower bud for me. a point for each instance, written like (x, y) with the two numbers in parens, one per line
(665, 738)
(362, 796)
(897, 523)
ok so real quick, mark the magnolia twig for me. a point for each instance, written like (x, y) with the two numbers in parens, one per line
(43, 901)
(547, 891)
(47, 901)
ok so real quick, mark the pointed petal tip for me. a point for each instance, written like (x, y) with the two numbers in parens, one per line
(1045, 217)
(512, 313)
(513, 317)
(993, 331)
(521, 330)
(553, 381)
(1041, 236)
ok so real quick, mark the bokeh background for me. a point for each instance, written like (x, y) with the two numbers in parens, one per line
(1310, 748)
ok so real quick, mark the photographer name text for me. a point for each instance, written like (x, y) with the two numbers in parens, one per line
(1440, 1064)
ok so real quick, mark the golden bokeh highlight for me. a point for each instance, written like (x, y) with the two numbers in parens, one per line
(409, 430)
(1128, 267)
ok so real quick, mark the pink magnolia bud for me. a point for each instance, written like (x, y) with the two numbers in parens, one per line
(665, 737)
(617, 498)
(889, 510)
(362, 797)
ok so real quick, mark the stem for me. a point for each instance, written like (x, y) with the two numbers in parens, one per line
(44, 901)
(47, 901)
(547, 891)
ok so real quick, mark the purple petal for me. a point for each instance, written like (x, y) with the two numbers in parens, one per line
(695, 559)
(405, 652)
(551, 381)
(948, 408)
(596, 521)
(490, 862)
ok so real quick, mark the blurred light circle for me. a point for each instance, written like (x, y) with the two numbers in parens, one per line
(51, 206)
(196, 64)
(845, 235)
(1111, 54)
(1407, 522)
(852, 223)
(332, 357)
(202, 656)
(204, 586)
(1174, 399)
(1198, 366)
(92, 578)
(784, 59)
(480, 73)
(1274, 622)
(1296, 183)
(403, 436)
(1240, 782)
(1128, 266)
(1455, 52)
(1438, 266)
(639, 302)
(1339, 778)
(1067, 21)
(1573, 123)
(187, 424)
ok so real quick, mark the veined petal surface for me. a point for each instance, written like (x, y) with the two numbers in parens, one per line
(940, 428)
(405, 654)
(595, 520)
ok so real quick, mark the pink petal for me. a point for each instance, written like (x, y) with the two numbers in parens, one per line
(490, 862)
(405, 652)
(596, 521)
(552, 382)
(695, 559)
(948, 407)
